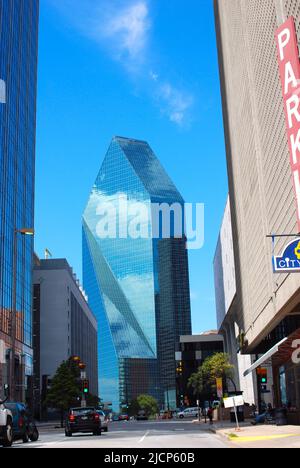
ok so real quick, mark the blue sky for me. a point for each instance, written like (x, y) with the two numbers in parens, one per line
(145, 69)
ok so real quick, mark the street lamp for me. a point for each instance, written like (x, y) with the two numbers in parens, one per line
(22, 232)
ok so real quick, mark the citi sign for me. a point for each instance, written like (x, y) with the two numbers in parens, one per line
(289, 65)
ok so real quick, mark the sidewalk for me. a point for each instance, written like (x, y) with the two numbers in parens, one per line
(260, 436)
(49, 425)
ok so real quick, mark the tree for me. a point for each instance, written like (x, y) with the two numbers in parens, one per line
(133, 408)
(215, 367)
(64, 390)
(148, 404)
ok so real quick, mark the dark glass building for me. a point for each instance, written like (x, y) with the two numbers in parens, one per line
(191, 353)
(137, 284)
(18, 70)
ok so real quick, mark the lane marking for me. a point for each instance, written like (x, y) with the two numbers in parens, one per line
(144, 437)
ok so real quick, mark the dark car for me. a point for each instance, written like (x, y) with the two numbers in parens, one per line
(84, 420)
(24, 427)
(142, 416)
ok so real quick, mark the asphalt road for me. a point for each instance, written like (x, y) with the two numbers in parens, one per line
(160, 435)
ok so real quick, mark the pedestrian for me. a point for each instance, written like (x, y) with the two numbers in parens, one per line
(210, 414)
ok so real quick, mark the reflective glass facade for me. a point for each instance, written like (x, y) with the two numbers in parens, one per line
(18, 69)
(138, 286)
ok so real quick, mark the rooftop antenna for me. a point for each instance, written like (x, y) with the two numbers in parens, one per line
(48, 254)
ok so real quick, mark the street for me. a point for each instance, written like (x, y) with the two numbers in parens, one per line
(161, 435)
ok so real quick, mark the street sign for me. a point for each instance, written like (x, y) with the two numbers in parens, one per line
(289, 66)
(234, 402)
(289, 261)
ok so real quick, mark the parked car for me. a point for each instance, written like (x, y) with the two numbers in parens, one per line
(142, 416)
(188, 413)
(6, 426)
(24, 427)
(104, 420)
(83, 420)
(124, 417)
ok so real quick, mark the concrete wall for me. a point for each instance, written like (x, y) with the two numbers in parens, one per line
(261, 191)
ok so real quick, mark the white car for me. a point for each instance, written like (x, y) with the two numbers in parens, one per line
(104, 420)
(6, 426)
(188, 413)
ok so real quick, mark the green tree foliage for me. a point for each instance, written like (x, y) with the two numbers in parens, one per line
(134, 408)
(64, 390)
(148, 404)
(215, 367)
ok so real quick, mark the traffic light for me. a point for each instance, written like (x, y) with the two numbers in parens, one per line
(85, 387)
(179, 369)
(262, 377)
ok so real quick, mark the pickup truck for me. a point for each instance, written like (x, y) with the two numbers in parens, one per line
(6, 426)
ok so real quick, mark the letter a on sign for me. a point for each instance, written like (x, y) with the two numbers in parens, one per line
(289, 66)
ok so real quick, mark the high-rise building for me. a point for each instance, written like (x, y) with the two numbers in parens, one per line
(18, 75)
(191, 353)
(226, 308)
(137, 282)
(64, 325)
(260, 184)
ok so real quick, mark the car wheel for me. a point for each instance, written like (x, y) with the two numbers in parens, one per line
(35, 436)
(68, 433)
(8, 435)
(181, 416)
(97, 433)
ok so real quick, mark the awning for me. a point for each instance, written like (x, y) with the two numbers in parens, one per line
(265, 357)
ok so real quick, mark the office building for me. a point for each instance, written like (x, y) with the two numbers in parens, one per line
(225, 292)
(137, 283)
(192, 351)
(18, 75)
(64, 325)
(261, 189)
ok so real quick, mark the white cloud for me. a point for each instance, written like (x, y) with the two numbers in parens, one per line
(129, 29)
(175, 103)
(123, 29)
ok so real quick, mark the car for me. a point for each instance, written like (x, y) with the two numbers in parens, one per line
(142, 416)
(188, 413)
(104, 420)
(83, 420)
(124, 417)
(23, 428)
(6, 426)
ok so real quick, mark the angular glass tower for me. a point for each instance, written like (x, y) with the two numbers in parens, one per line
(18, 70)
(138, 285)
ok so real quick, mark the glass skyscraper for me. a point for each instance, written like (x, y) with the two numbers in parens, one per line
(18, 70)
(137, 284)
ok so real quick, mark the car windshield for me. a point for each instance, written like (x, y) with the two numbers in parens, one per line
(82, 411)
